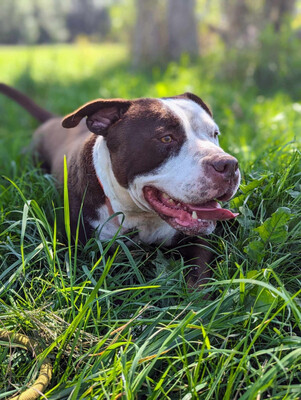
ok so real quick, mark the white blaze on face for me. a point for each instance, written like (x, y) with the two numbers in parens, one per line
(182, 176)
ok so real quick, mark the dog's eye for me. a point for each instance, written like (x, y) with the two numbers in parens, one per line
(216, 133)
(166, 139)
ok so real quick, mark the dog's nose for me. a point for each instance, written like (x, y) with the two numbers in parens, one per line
(225, 166)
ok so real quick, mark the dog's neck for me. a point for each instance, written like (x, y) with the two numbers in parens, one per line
(150, 226)
(119, 197)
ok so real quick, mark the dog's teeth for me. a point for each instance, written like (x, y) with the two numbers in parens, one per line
(179, 205)
(194, 215)
(165, 196)
(199, 220)
(171, 201)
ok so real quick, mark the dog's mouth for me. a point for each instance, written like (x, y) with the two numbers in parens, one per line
(192, 219)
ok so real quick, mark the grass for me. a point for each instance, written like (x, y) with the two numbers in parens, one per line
(118, 322)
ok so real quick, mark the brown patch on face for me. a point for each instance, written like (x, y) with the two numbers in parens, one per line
(135, 141)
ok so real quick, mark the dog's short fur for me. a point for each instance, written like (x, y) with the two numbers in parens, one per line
(157, 161)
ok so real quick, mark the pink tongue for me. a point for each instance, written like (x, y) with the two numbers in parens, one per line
(212, 213)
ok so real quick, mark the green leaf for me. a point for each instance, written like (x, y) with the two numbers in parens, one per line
(255, 250)
(264, 299)
(259, 298)
(274, 229)
(206, 339)
(294, 193)
(246, 217)
(238, 201)
(253, 184)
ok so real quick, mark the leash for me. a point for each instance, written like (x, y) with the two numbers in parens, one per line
(44, 378)
(111, 212)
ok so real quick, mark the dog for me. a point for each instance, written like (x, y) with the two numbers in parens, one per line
(157, 163)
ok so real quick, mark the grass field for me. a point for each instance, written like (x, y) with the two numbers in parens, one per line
(121, 324)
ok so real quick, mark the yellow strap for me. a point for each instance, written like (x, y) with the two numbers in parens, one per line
(45, 374)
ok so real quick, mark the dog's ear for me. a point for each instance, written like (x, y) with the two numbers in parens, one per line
(197, 100)
(101, 114)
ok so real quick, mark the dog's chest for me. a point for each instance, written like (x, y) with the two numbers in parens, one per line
(145, 226)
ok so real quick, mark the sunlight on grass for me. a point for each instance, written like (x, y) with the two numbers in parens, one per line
(62, 63)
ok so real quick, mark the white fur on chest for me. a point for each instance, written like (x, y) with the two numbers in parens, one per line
(150, 227)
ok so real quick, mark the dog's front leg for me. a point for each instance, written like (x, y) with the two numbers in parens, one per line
(196, 253)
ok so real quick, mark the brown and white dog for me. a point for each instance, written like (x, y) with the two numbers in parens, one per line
(156, 161)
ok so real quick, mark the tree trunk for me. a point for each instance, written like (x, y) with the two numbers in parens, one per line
(240, 30)
(244, 22)
(275, 11)
(148, 43)
(182, 28)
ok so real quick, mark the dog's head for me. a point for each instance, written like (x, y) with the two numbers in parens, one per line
(166, 153)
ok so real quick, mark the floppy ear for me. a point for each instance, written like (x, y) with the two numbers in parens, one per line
(101, 114)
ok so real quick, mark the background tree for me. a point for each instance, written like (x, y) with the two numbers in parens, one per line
(47, 21)
(155, 30)
(275, 11)
(242, 20)
(88, 18)
(148, 38)
(181, 28)
(164, 30)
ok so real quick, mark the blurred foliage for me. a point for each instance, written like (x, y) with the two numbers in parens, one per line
(236, 22)
(273, 64)
(52, 21)
(254, 42)
(278, 61)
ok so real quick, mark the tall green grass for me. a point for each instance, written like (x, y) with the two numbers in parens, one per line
(118, 322)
